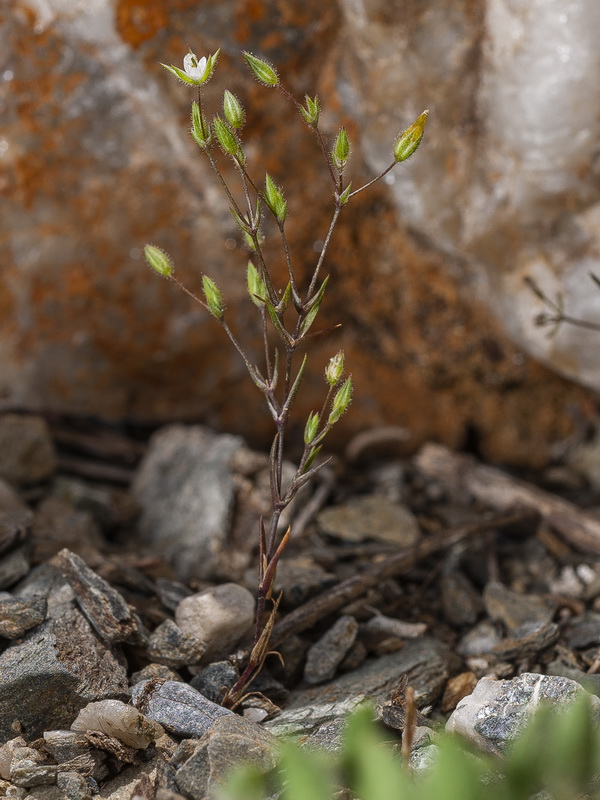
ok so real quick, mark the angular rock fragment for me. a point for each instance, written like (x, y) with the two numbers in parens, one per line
(123, 722)
(327, 653)
(29, 768)
(57, 668)
(15, 527)
(74, 753)
(171, 593)
(215, 680)
(231, 741)
(104, 607)
(17, 617)
(185, 489)
(527, 640)
(460, 601)
(514, 609)
(220, 617)
(169, 645)
(319, 713)
(178, 707)
(497, 711)
(73, 785)
(13, 566)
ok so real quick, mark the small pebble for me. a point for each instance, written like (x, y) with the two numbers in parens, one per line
(220, 616)
(170, 646)
(327, 653)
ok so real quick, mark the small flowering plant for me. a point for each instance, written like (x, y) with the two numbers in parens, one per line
(280, 375)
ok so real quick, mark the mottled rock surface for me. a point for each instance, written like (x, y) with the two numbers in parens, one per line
(185, 490)
(98, 162)
(178, 707)
(231, 741)
(54, 671)
(497, 711)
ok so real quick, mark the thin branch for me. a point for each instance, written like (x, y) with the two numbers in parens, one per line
(370, 183)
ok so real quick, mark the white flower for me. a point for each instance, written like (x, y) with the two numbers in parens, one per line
(194, 67)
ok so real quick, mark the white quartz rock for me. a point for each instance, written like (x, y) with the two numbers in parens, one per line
(118, 719)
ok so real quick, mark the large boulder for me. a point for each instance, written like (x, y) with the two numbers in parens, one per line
(427, 268)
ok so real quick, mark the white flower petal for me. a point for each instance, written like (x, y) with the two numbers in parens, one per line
(194, 67)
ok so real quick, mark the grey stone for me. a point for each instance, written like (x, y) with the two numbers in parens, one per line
(526, 641)
(497, 711)
(584, 631)
(460, 601)
(28, 768)
(109, 507)
(74, 786)
(57, 668)
(326, 654)
(17, 617)
(27, 450)
(185, 488)
(170, 646)
(44, 587)
(481, 639)
(299, 579)
(104, 607)
(215, 679)
(370, 517)
(122, 786)
(13, 566)
(220, 617)
(178, 707)
(589, 681)
(319, 713)
(171, 593)
(232, 741)
(74, 752)
(14, 528)
(514, 609)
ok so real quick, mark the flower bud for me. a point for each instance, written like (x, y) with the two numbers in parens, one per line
(256, 286)
(228, 139)
(335, 368)
(341, 149)
(410, 139)
(262, 70)
(345, 195)
(311, 428)
(214, 301)
(233, 110)
(310, 111)
(158, 260)
(200, 131)
(274, 199)
(341, 401)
